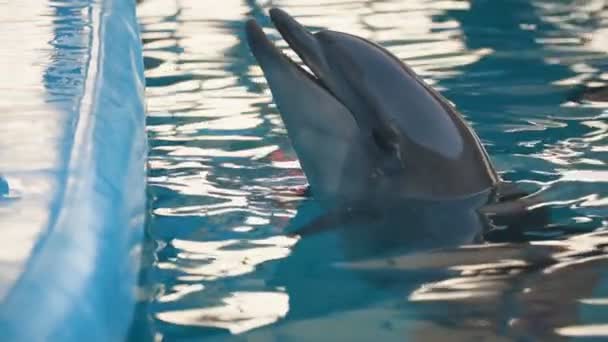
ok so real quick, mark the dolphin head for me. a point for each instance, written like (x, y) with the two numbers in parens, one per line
(363, 124)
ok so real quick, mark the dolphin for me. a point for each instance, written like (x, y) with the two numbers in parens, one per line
(394, 171)
(373, 138)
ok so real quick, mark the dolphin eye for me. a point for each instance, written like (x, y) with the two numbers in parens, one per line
(393, 155)
(382, 142)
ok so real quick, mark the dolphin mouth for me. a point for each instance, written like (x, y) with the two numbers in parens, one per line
(300, 40)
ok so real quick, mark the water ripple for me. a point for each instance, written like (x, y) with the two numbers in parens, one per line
(225, 182)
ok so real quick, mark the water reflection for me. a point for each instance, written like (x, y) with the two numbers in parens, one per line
(241, 311)
(41, 80)
(225, 184)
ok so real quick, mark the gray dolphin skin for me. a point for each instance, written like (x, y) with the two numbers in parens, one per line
(365, 119)
(371, 136)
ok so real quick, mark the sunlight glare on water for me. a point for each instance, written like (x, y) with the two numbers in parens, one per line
(40, 76)
(224, 181)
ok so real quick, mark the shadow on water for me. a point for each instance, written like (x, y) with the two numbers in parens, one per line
(220, 264)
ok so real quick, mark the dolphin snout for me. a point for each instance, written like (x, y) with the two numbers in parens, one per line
(261, 47)
(300, 40)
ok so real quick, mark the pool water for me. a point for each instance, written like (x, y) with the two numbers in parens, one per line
(224, 182)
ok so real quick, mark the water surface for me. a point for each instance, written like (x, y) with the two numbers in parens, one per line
(225, 182)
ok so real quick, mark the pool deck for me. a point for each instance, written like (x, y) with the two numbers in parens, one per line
(72, 170)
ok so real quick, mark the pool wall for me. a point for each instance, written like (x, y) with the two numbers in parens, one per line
(79, 282)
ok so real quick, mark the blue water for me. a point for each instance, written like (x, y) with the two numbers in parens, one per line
(224, 181)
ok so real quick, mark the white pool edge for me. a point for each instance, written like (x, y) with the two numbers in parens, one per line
(80, 282)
